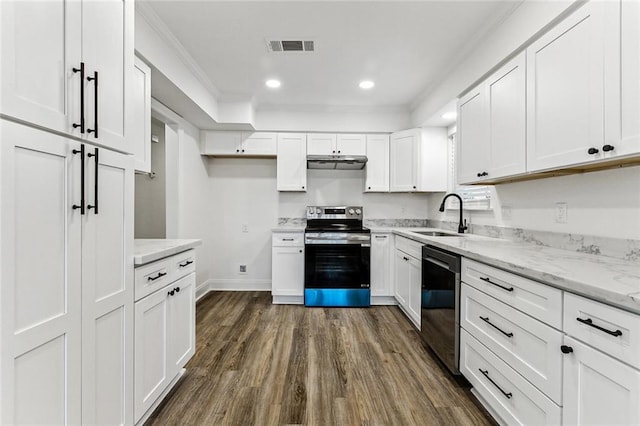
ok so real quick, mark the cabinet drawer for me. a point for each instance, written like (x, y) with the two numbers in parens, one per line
(295, 239)
(527, 345)
(612, 330)
(514, 399)
(152, 276)
(182, 264)
(531, 297)
(412, 248)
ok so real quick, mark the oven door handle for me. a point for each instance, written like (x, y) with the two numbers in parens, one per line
(436, 262)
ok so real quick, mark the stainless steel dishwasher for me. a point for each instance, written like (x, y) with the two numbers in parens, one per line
(440, 318)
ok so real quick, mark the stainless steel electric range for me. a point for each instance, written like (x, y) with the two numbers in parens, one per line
(337, 257)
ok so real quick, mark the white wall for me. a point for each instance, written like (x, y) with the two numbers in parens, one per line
(150, 193)
(604, 204)
(527, 20)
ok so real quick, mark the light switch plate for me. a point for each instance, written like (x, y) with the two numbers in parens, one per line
(561, 212)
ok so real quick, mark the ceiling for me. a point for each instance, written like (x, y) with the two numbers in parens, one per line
(404, 47)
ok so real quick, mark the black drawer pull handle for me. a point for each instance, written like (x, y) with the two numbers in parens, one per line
(287, 239)
(381, 236)
(607, 148)
(185, 264)
(496, 327)
(405, 258)
(171, 292)
(177, 289)
(590, 323)
(160, 275)
(485, 373)
(566, 349)
(592, 151)
(488, 280)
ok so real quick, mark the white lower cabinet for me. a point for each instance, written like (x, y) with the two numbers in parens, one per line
(380, 267)
(507, 393)
(164, 340)
(67, 280)
(287, 268)
(408, 279)
(598, 390)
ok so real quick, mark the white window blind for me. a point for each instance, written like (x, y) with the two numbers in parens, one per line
(475, 197)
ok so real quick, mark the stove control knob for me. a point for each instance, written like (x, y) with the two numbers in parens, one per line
(358, 211)
(311, 210)
(318, 211)
(351, 212)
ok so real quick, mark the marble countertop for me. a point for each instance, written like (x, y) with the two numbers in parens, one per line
(288, 228)
(148, 250)
(607, 279)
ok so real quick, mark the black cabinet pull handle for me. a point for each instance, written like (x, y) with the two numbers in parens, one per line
(243, 150)
(300, 250)
(566, 349)
(303, 187)
(369, 187)
(95, 104)
(488, 280)
(479, 174)
(485, 174)
(171, 292)
(590, 323)
(287, 239)
(381, 236)
(338, 152)
(187, 263)
(414, 187)
(405, 258)
(160, 275)
(81, 152)
(607, 148)
(592, 151)
(177, 289)
(81, 71)
(333, 152)
(237, 150)
(496, 327)
(96, 160)
(485, 373)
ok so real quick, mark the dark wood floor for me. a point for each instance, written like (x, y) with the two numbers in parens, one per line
(263, 364)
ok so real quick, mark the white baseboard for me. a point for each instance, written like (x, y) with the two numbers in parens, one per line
(383, 301)
(232, 285)
(288, 300)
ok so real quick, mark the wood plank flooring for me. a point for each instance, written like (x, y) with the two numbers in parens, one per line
(263, 364)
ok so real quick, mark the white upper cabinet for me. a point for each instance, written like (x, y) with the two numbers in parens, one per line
(565, 90)
(141, 112)
(291, 166)
(332, 144)
(622, 82)
(506, 119)
(233, 144)
(418, 160)
(377, 168)
(321, 144)
(67, 66)
(472, 140)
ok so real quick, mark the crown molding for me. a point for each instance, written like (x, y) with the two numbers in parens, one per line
(145, 10)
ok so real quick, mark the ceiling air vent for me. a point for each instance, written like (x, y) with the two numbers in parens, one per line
(290, 45)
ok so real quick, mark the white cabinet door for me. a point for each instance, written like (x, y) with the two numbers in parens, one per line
(141, 115)
(506, 108)
(472, 140)
(381, 264)
(40, 47)
(321, 144)
(377, 168)
(597, 389)
(221, 143)
(107, 288)
(259, 143)
(565, 91)
(181, 331)
(287, 271)
(151, 350)
(403, 154)
(291, 165)
(402, 279)
(622, 84)
(107, 49)
(41, 277)
(415, 290)
(351, 144)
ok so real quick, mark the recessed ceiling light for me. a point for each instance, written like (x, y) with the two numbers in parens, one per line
(274, 84)
(367, 84)
(452, 115)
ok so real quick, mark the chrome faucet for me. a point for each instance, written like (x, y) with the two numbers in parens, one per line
(461, 226)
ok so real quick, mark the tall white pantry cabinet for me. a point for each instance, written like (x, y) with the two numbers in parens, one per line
(66, 206)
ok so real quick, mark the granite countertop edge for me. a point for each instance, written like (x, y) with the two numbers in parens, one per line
(605, 279)
(150, 250)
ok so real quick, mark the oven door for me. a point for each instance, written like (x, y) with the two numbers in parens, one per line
(337, 274)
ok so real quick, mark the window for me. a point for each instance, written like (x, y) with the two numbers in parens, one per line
(475, 197)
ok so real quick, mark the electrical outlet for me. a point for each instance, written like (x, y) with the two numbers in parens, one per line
(561, 212)
(242, 269)
(245, 227)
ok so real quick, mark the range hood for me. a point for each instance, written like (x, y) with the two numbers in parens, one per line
(336, 162)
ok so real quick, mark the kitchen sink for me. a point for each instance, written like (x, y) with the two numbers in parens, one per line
(438, 234)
